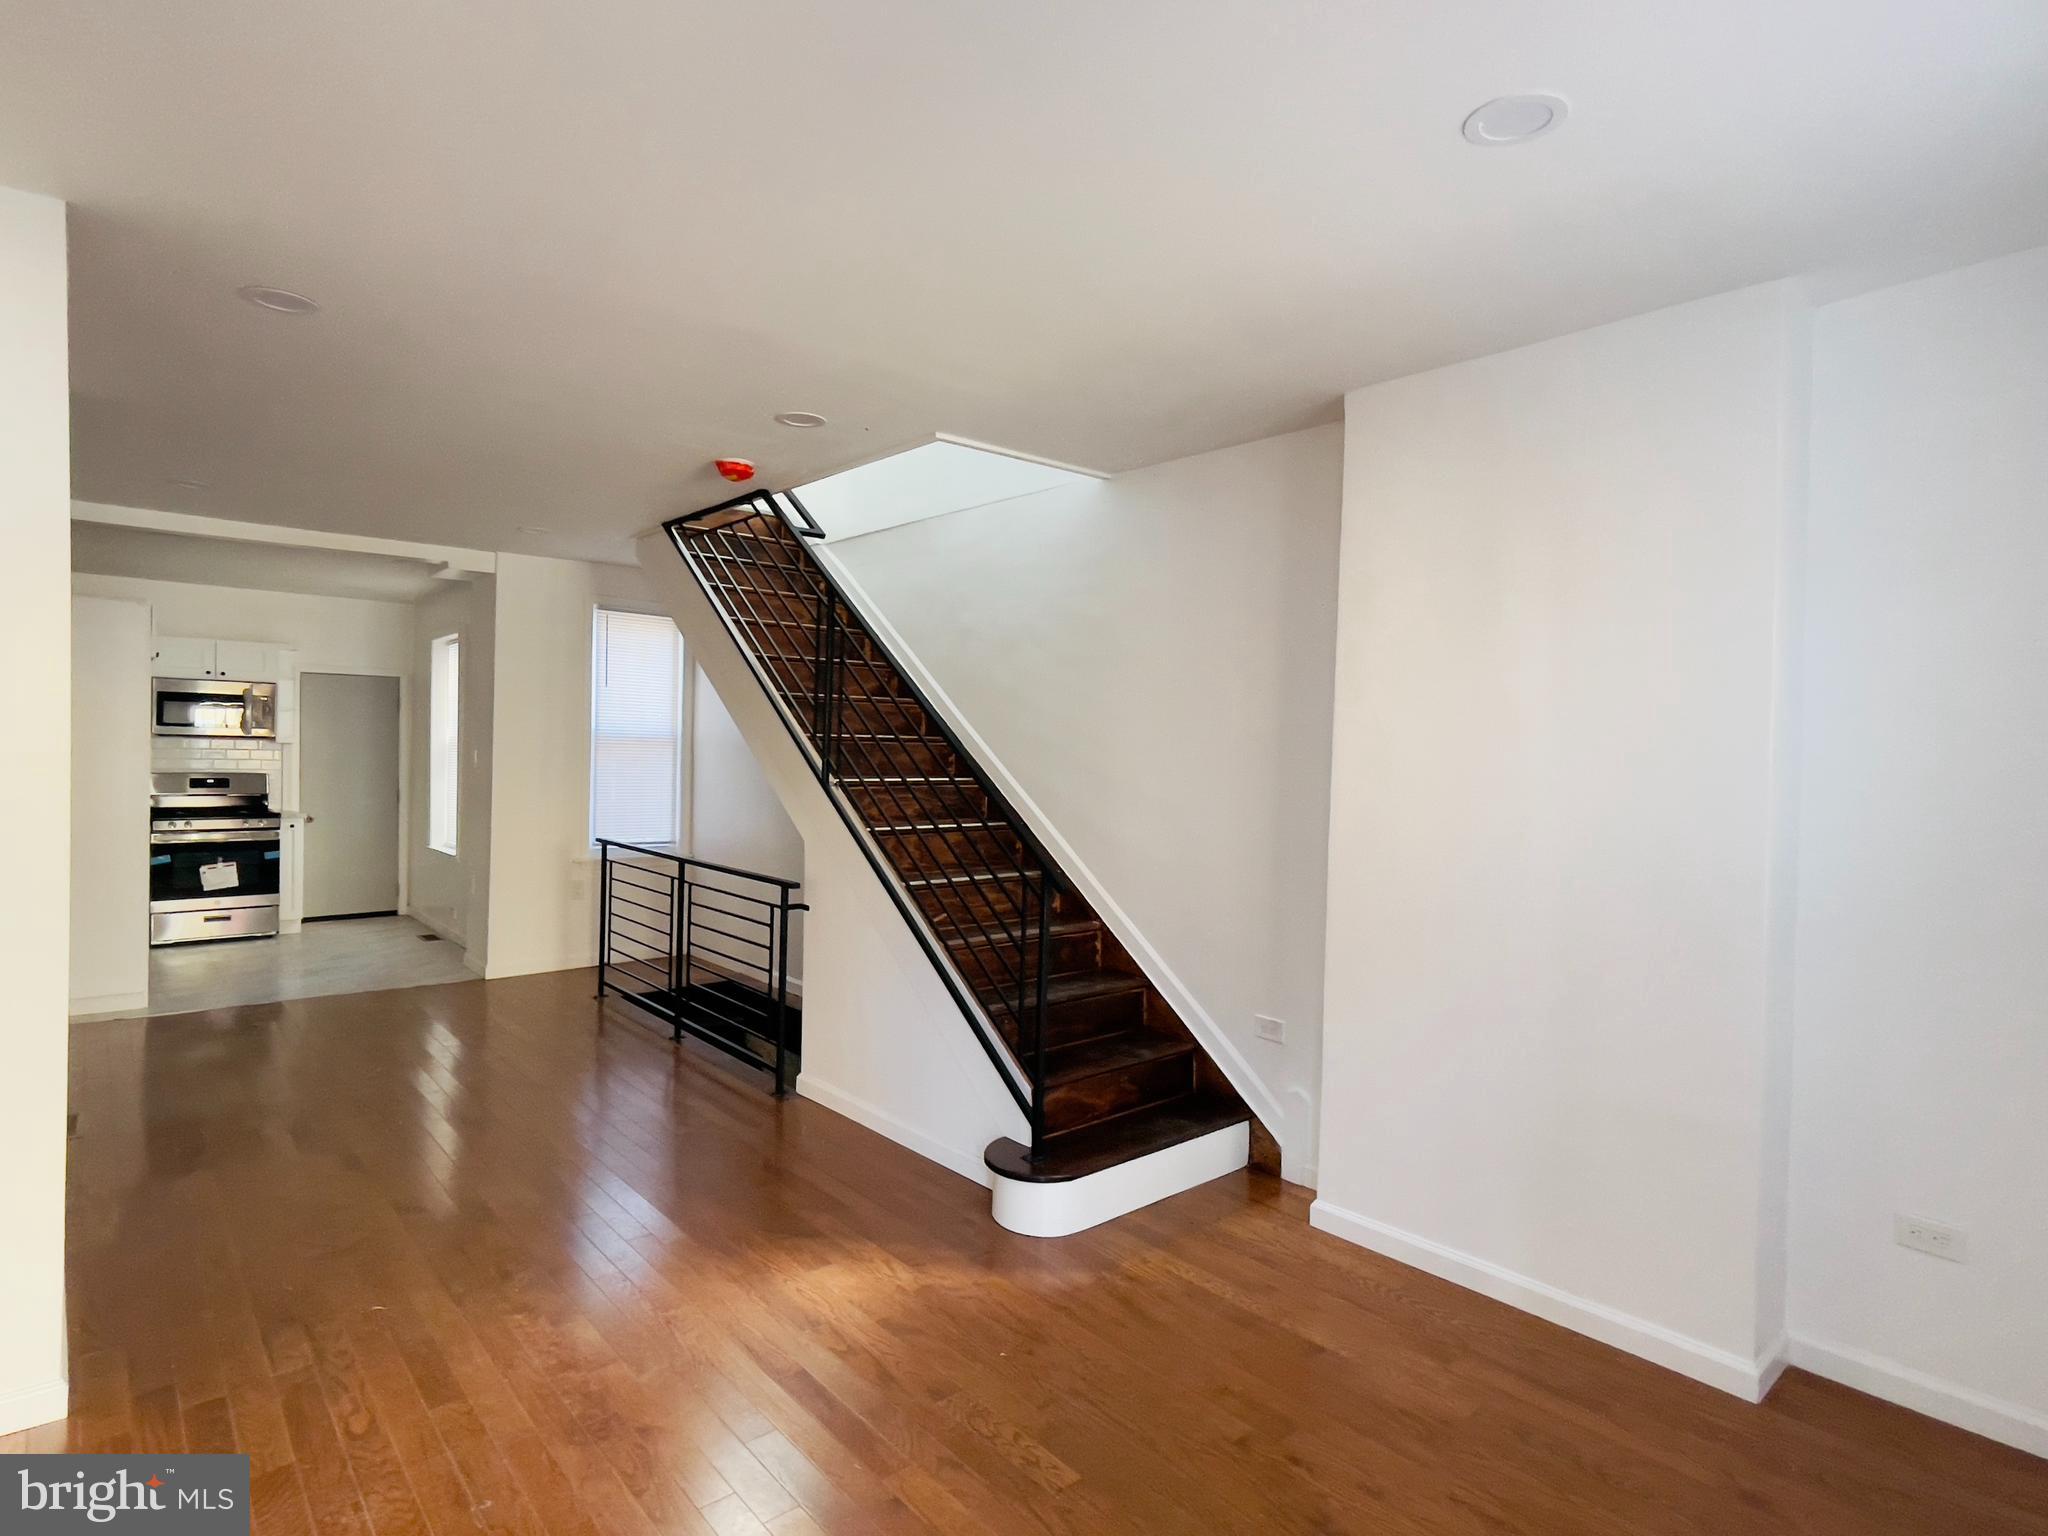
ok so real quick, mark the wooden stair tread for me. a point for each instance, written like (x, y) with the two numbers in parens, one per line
(1062, 928)
(970, 878)
(1076, 1154)
(938, 824)
(1090, 984)
(905, 778)
(1111, 1053)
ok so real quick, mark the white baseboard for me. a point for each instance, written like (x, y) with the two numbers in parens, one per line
(1747, 1379)
(36, 1405)
(1074, 1205)
(967, 1164)
(109, 1005)
(537, 966)
(2008, 1423)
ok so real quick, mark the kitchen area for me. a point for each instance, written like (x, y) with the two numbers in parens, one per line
(240, 830)
(216, 841)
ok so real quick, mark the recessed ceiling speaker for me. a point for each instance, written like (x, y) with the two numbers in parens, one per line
(279, 300)
(1514, 120)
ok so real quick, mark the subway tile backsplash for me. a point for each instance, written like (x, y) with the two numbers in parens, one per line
(178, 754)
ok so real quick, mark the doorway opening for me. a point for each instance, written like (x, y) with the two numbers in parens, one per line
(344, 857)
(248, 717)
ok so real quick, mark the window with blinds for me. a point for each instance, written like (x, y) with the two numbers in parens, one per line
(444, 738)
(636, 728)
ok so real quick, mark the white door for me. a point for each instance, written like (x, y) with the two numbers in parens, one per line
(348, 788)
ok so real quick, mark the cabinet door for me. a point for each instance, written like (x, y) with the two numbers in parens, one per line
(245, 661)
(184, 658)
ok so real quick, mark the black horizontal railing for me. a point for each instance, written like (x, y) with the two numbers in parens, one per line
(974, 883)
(702, 946)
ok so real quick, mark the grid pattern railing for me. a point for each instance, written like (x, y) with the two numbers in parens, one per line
(979, 891)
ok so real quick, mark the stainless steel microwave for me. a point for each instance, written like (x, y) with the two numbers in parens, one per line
(212, 706)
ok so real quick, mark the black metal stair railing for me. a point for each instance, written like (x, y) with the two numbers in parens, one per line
(977, 889)
(704, 947)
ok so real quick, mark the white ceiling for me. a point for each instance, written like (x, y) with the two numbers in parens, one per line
(569, 252)
(106, 549)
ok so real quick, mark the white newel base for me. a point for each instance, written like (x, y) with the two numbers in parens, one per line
(1074, 1205)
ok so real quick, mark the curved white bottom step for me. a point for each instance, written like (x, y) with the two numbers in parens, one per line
(1074, 1205)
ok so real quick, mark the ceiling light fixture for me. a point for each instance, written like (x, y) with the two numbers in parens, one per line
(800, 418)
(188, 485)
(1514, 120)
(282, 300)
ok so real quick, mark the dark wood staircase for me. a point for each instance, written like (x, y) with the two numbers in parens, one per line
(1100, 1063)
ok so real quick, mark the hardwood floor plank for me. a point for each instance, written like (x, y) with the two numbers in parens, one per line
(486, 1257)
(277, 1503)
(158, 1425)
(331, 1495)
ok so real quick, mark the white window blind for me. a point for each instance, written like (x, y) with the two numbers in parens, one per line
(444, 737)
(636, 728)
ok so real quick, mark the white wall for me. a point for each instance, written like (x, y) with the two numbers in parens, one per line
(1147, 660)
(35, 513)
(735, 815)
(1922, 993)
(1555, 885)
(110, 647)
(450, 893)
(884, 1043)
(521, 893)
(543, 879)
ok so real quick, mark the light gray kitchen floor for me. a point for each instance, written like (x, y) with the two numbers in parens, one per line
(361, 954)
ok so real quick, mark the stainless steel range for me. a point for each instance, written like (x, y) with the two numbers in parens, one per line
(214, 848)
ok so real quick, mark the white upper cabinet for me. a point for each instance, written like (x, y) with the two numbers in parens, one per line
(184, 658)
(242, 661)
(246, 661)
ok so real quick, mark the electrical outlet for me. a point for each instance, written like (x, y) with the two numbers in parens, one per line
(1269, 1029)
(1930, 1237)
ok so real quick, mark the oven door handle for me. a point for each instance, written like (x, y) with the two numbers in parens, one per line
(253, 836)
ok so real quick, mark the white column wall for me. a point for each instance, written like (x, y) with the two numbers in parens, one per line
(1921, 1086)
(35, 625)
(1556, 880)
(110, 743)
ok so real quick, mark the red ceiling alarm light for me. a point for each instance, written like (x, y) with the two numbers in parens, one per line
(738, 471)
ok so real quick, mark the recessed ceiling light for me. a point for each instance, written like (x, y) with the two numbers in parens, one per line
(283, 300)
(532, 528)
(1514, 120)
(800, 418)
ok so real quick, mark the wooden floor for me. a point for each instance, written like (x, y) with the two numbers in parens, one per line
(476, 1257)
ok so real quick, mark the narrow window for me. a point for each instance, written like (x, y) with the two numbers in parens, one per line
(444, 736)
(636, 728)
